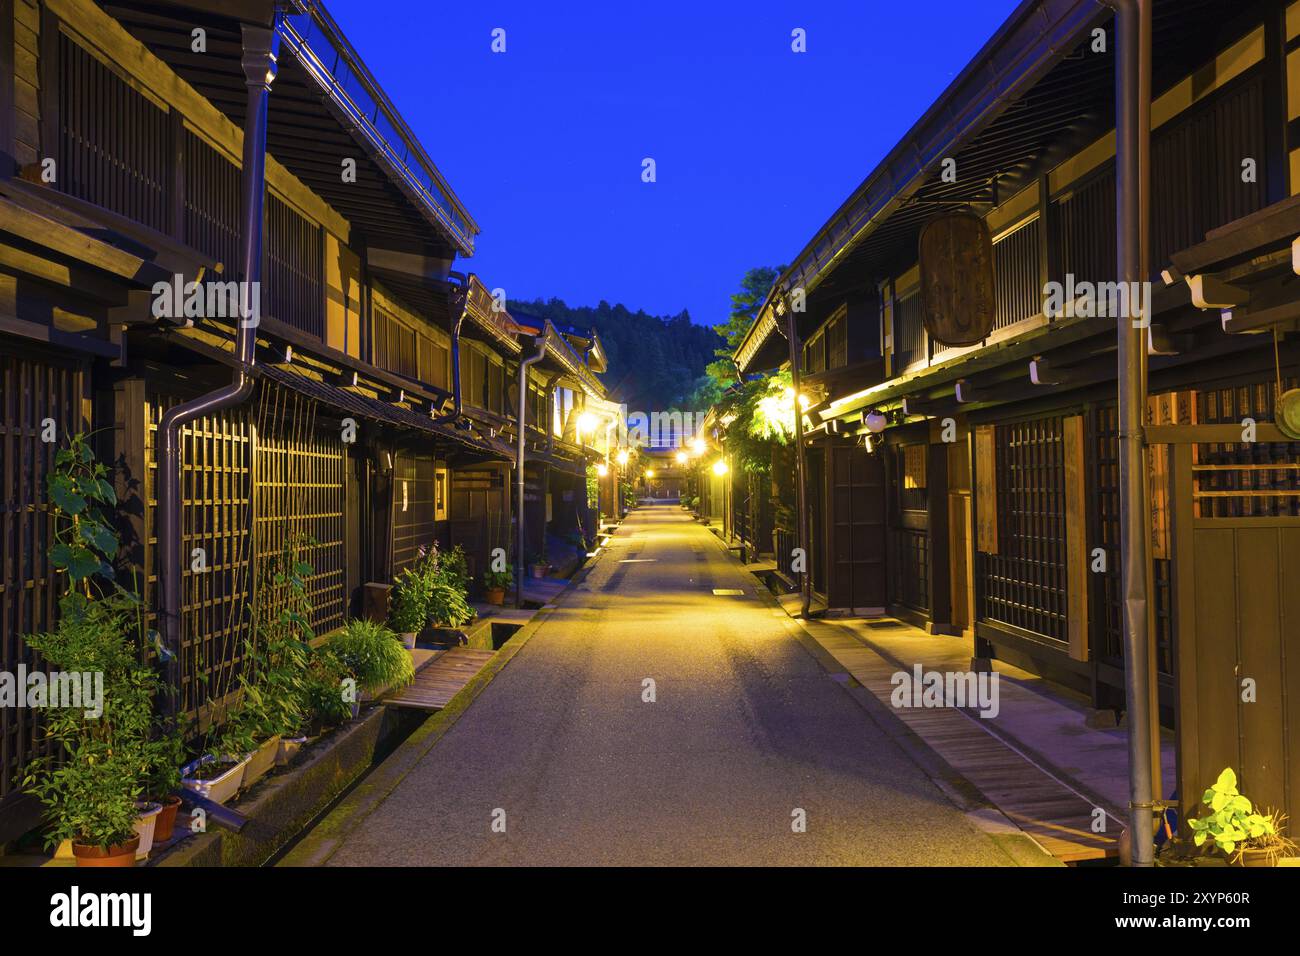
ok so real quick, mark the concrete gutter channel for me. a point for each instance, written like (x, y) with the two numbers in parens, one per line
(297, 818)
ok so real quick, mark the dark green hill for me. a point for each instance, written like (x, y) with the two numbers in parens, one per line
(655, 361)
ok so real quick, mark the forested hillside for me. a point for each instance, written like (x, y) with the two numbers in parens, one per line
(655, 362)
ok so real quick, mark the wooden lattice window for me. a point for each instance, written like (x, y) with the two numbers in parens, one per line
(1024, 584)
(32, 389)
(293, 267)
(113, 143)
(393, 344)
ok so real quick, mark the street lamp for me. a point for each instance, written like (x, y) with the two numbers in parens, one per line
(622, 457)
(681, 458)
(719, 467)
(602, 469)
(649, 472)
(698, 446)
(586, 423)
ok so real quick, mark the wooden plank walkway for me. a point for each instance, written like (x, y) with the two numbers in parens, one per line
(1057, 817)
(437, 682)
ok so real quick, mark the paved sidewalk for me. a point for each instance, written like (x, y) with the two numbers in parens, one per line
(1043, 720)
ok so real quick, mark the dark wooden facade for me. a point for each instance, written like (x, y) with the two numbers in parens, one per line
(119, 168)
(998, 500)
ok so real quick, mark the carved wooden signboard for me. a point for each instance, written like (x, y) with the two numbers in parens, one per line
(957, 293)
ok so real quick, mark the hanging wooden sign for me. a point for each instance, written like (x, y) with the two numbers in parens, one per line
(958, 300)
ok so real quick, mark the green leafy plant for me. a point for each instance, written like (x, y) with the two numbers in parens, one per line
(504, 580)
(166, 754)
(322, 695)
(96, 765)
(374, 655)
(453, 568)
(79, 493)
(98, 758)
(448, 604)
(410, 601)
(1232, 821)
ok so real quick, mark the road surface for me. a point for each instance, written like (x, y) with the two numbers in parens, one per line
(580, 759)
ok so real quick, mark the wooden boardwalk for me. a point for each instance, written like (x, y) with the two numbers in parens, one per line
(1057, 817)
(438, 681)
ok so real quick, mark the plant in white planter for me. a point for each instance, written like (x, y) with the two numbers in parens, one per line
(409, 609)
(216, 779)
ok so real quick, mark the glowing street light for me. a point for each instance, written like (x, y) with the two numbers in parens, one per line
(681, 458)
(649, 472)
(698, 446)
(719, 467)
(602, 469)
(586, 423)
(622, 457)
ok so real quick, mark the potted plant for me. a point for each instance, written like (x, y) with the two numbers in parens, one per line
(92, 773)
(495, 585)
(324, 703)
(1246, 836)
(218, 774)
(448, 606)
(373, 655)
(538, 566)
(166, 754)
(409, 610)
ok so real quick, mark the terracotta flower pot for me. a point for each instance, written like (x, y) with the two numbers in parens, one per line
(495, 595)
(166, 823)
(121, 854)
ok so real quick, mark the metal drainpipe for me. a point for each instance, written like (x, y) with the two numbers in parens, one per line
(524, 364)
(1132, 130)
(800, 468)
(455, 414)
(259, 63)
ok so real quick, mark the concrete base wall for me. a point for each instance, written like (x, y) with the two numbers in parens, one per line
(281, 806)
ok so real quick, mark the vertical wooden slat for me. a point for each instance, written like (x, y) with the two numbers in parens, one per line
(1076, 545)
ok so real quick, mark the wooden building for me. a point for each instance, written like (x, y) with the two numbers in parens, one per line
(975, 489)
(378, 412)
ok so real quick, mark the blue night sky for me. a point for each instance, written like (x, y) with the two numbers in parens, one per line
(755, 145)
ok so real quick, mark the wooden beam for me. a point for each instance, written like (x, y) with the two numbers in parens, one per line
(1094, 369)
(1160, 341)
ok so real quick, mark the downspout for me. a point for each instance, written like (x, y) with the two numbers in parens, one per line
(463, 303)
(800, 468)
(260, 46)
(524, 364)
(1132, 144)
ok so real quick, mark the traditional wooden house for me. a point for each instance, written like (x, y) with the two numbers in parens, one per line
(224, 253)
(975, 489)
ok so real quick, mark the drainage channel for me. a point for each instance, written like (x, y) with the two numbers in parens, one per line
(409, 722)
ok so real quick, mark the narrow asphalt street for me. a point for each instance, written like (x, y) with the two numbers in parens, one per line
(745, 730)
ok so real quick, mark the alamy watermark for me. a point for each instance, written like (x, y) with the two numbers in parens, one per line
(82, 690)
(1115, 300)
(931, 689)
(212, 299)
